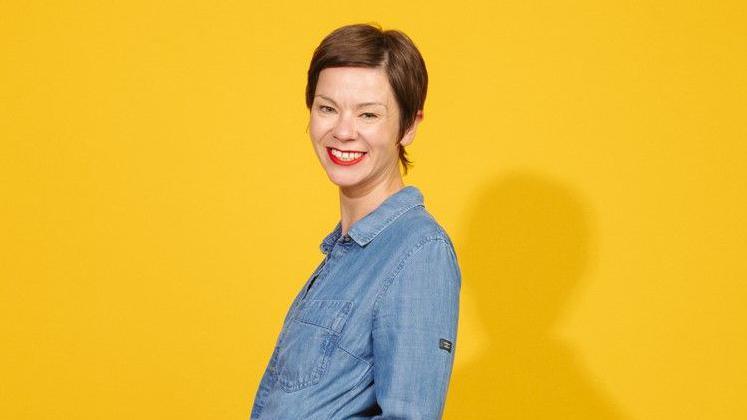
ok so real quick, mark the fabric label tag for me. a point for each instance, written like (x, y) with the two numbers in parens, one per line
(444, 344)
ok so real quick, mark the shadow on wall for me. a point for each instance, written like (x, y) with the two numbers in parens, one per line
(527, 247)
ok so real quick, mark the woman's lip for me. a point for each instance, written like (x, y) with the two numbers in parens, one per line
(337, 161)
(349, 151)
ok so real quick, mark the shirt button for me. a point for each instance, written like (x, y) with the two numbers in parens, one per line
(346, 238)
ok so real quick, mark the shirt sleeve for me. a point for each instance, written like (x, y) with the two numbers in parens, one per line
(414, 333)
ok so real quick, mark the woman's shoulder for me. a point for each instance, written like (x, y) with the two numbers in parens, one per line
(419, 240)
(419, 226)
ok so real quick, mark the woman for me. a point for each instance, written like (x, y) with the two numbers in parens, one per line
(372, 332)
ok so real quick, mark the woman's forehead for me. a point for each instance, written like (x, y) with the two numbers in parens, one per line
(354, 85)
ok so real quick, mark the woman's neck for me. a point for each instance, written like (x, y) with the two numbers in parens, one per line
(355, 205)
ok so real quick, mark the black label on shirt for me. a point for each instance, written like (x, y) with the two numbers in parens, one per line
(444, 344)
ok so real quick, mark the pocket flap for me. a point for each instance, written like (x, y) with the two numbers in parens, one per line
(325, 313)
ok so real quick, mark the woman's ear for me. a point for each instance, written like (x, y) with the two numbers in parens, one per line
(410, 134)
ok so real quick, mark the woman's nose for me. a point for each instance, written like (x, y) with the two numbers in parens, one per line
(345, 127)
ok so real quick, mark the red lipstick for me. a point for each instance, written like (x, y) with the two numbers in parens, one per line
(338, 161)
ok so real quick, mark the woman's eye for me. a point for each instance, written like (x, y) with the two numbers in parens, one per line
(369, 115)
(325, 108)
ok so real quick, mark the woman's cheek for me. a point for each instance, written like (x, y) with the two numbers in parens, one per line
(314, 129)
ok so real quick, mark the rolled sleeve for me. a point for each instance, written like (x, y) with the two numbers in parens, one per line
(414, 333)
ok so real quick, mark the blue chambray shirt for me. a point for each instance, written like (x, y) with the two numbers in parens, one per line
(372, 333)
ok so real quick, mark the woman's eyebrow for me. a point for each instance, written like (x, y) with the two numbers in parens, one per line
(357, 106)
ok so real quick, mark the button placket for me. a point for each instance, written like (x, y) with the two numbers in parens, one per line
(305, 291)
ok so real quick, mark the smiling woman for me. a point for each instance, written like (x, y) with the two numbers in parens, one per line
(375, 337)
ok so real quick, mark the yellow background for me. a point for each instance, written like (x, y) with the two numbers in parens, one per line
(160, 202)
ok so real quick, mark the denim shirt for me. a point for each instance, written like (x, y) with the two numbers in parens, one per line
(372, 332)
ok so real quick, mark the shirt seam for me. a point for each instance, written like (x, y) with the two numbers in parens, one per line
(398, 269)
(354, 356)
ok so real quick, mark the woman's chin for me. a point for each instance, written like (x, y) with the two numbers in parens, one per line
(343, 180)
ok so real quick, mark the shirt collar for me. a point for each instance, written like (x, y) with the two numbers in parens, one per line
(365, 230)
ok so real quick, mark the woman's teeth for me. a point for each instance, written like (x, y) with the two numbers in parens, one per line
(346, 156)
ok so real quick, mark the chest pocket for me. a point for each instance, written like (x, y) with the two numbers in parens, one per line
(309, 341)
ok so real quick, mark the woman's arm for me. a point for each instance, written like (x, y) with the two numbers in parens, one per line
(414, 333)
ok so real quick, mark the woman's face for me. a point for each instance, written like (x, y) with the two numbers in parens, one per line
(354, 126)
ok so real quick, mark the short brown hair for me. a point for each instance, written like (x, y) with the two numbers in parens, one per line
(366, 45)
